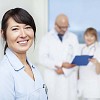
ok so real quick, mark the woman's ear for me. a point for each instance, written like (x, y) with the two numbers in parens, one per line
(1, 34)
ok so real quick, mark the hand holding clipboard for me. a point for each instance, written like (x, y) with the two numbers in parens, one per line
(81, 60)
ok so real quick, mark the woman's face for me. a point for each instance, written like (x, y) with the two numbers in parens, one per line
(89, 39)
(19, 36)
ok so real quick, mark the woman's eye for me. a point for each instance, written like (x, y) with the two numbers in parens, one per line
(28, 27)
(14, 29)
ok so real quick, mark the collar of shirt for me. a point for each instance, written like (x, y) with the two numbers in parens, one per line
(89, 49)
(60, 36)
(14, 61)
(54, 32)
(92, 45)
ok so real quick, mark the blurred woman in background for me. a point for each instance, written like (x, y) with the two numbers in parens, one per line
(89, 75)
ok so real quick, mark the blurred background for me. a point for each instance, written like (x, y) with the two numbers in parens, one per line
(82, 14)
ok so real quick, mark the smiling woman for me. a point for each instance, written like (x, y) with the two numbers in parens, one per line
(11, 23)
(89, 75)
(20, 79)
(19, 36)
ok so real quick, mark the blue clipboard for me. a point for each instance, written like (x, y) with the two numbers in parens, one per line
(81, 60)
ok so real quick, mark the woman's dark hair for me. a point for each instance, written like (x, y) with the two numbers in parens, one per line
(20, 16)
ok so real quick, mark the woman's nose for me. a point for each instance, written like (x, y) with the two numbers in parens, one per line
(23, 33)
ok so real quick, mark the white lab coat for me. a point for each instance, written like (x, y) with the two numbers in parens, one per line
(89, 82)
(54, 52)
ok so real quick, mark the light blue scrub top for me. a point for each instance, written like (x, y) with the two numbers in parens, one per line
(16, 84)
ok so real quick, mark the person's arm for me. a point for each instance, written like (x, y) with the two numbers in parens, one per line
(69, 71)
(59, 70)
(66, 69)
(6, 86)
(97, 64)
(69, 68)
(68, 65)
(44, 57)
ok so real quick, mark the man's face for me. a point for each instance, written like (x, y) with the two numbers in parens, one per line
(62, 28)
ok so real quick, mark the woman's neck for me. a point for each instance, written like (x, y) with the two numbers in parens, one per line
(21, 57)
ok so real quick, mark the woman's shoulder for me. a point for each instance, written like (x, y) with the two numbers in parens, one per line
(97, 46)
(4, 65)
(97, 49)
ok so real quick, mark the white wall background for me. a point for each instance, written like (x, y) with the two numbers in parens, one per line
(39, 10)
